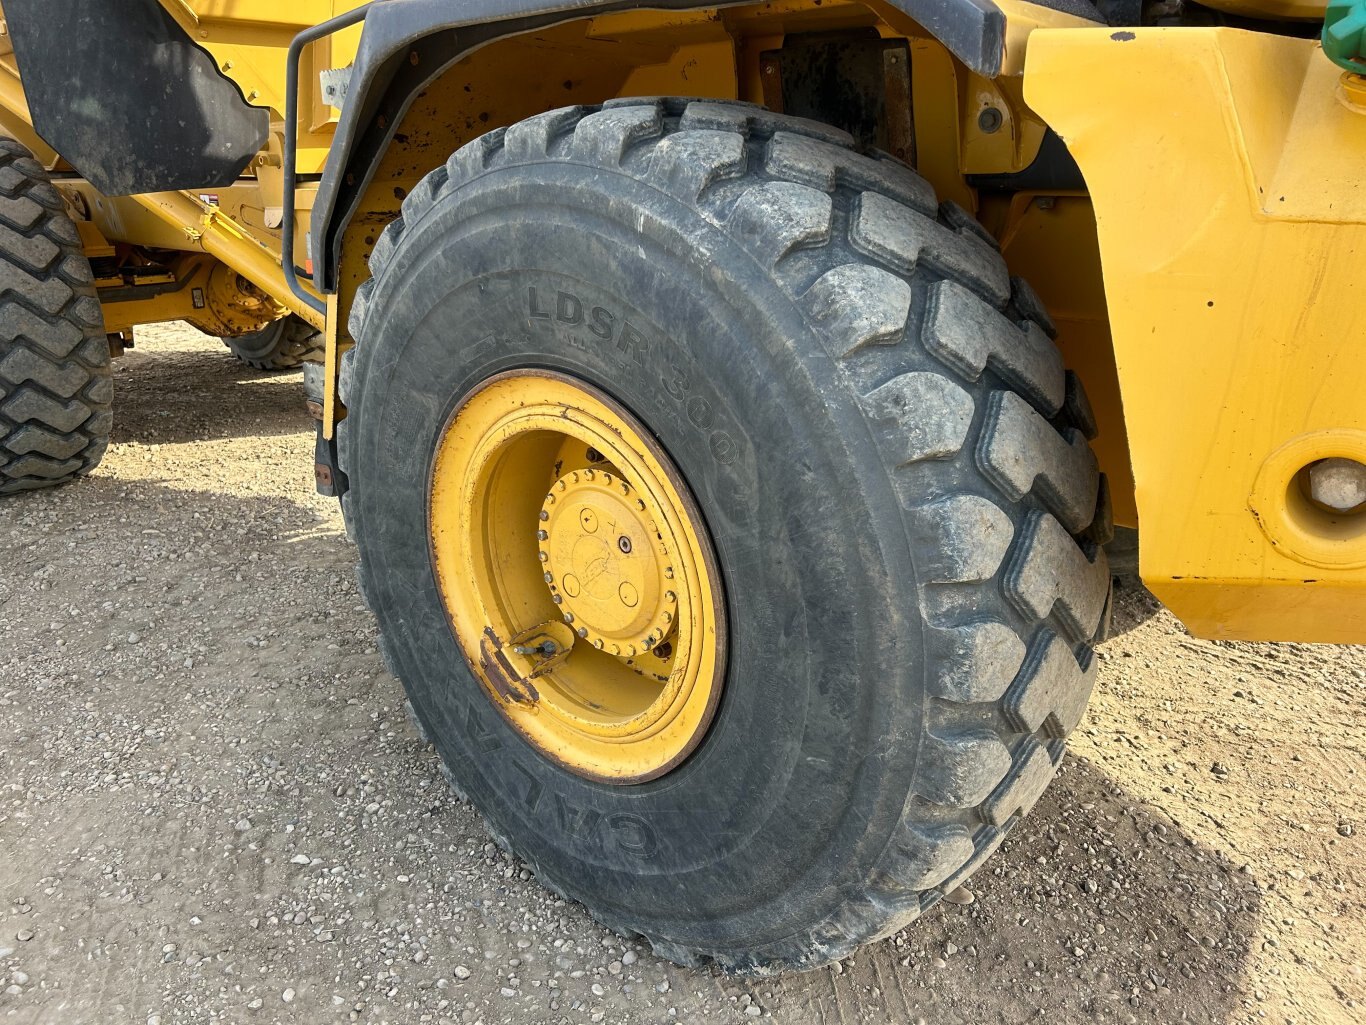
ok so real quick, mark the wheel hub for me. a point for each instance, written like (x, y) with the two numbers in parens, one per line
(577, 575)
(609, 562)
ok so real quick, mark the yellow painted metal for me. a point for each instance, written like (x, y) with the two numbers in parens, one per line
(577, 576)
(610, 561)
(1297, 526)
(127, 219)
(207, 294)
(1225, 178)
(332, 353)
(1009, 141)
(999, 134)
(938, 136)
(1023, 19)
(205, 228)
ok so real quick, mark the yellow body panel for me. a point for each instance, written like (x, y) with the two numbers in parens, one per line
(1225, 177)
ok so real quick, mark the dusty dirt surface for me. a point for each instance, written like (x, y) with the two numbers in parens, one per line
(213, 808)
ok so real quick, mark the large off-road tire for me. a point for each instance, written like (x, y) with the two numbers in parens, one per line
(890, 459)
(284, 344)
(55, 383)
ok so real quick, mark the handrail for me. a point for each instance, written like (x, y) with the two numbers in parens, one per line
(290, 163)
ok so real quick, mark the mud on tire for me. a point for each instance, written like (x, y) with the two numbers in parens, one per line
(893, 464)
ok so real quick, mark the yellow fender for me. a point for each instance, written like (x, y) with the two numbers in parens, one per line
(1226, 177)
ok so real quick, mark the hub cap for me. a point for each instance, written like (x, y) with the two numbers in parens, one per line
(577, 576)
(610, 563)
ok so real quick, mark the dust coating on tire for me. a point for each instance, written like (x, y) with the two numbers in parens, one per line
(56, 389)
(284, 344)
(892, 462)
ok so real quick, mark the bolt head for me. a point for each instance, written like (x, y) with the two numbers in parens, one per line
(1338, 484)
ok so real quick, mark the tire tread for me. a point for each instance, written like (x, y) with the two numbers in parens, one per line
(284, 344)
(56, 387)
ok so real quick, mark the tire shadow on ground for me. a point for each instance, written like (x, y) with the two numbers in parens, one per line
(201, 394)
(1097, 908)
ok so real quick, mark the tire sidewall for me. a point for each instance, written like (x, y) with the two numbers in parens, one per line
(259, 346)
(813, 746)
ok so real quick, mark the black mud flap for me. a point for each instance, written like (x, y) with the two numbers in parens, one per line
(128, 99)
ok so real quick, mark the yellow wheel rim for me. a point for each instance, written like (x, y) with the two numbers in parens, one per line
(577, 576)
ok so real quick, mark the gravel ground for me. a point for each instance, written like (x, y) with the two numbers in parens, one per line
(213, 808)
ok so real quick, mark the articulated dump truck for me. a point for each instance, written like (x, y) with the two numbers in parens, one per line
(732, 405)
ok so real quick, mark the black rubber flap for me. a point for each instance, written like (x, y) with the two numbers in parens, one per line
(128, 99)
